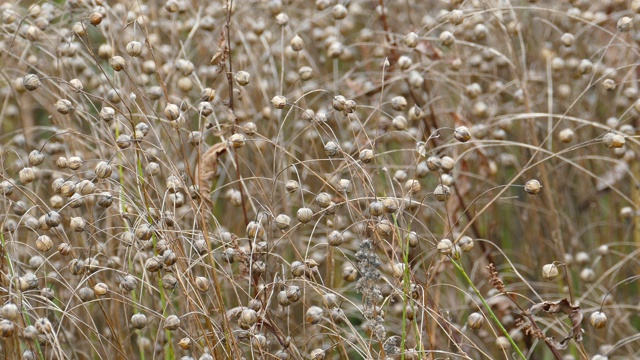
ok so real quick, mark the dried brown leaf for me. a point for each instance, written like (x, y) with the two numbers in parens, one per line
(207, 168)
(563, 306)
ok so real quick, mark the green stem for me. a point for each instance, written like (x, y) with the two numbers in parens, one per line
(488, 308)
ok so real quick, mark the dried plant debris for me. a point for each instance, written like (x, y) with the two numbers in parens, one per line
(572, 311)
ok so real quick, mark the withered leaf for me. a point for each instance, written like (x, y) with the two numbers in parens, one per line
(563, 306)
(207, 167)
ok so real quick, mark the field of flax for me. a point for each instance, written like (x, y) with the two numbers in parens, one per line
(328, 179)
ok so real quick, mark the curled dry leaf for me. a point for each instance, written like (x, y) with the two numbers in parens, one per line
(207, 168)
(563, 306)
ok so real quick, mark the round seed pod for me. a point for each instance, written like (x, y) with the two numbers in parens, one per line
(52, 219)
(412, 186)
(202, 284)
(376, 208)
(305, 73)
(144, 232)
(105, 199)
(298, 268)
(134, 48)
(169, 282)
(442, 192)
(366, 156)
(242, 78)
(293, 293)
(103, 170)
(567, 39)
(411, 40)
(279, 101)
(64, 249)
(123, 141)
(27, 175)
(466, 243)
(68, 188)
(339, 12)
(74, 163)
(447, 38)
(86, 294)
(36, 158)
(330, 301)
(63, 106)
(100, 289)
(237, 140)
(44, 243)
(305, 215)
(588, 275)
(128, 283)
(317, 354)
(31, 82)
(78, 224)
(255, 230)
(153, 264)
(139, 321)
(185, 343)
(566, 135)
(532, 187)
(445, 247)
(28, 282)
(107, 114)
(291, 186)
(6, 328)
(117, 63)
(434, 163)
(85, 187)
(550, 271)
(247, 318)
(598, 320)
(613, 141)
(462, 134)
(314, 315)
(349, 273)
(282, 299)
(475, 320)
(323, 199)
(447, 163)
(172, 112)
(10, 311)
(398, 270)
(335, 238)
(625, 24)
(398, 103)
(43, 325)
(331, 149)
(282, 221)
(297, 43)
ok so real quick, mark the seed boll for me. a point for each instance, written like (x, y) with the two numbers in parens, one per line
(475, 320)
(398, 103)
(412, 186)
(254, 230)
(445, 247)
(63, 106)
(339, 12)
(117, 63)
(442, 192)
(305, 215)
(317, 354)
(31, 82)
(376, 208)
(297, 43)
(36, 158)
(103, 170)
(314, 315)
(44, 243)
(74, 163)
(27, 175)
(282, 221)
(566, 135)
(291, 186)
(172, 111)
(614, 141)
(625, 24)
(466, 243)
(10, 311)
(247, 318)
(462, 134)
(598, 320)
(242, 78)
(331, 149)
(6, 328)
(237, 140)
(366, 156)
(279, 101)
(447, 38)
(349, 273)
(411, 40)
(532, 187)
(107, 114)
(335, 238)
(202, 284)
(139, 321)
(305, 73)
(100, 289)
(134, 48)
(550, 271)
